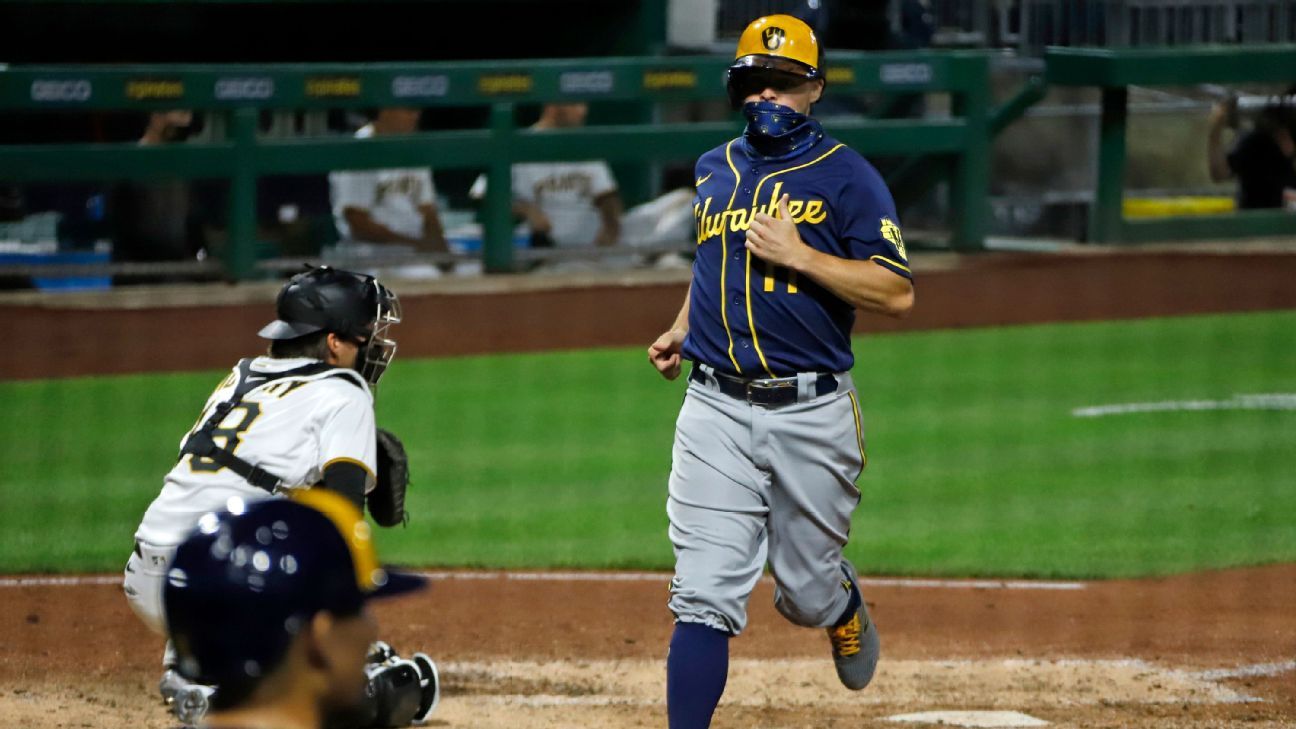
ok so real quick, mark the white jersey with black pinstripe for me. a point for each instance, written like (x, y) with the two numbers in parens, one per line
(293, 427)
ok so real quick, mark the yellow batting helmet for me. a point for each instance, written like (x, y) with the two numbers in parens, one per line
(781, 43)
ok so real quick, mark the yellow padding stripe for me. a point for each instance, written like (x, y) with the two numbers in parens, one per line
(900, 266)
(816, 160)
(859, 430)
(737, 177)
(724, 261)
(349, 460)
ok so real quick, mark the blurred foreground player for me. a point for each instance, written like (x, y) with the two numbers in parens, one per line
(300, 418)
(268, 601)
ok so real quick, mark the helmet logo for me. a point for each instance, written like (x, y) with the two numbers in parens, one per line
(773, 37)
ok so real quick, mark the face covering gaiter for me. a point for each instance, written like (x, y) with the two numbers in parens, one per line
(775, 131)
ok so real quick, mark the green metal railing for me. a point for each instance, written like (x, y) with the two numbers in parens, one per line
(241, 91)
(1114, 71)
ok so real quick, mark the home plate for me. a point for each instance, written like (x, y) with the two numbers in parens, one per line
(970, 718)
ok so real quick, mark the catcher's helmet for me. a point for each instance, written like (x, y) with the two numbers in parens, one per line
(351, 305)
(781, 44)
(248, 579)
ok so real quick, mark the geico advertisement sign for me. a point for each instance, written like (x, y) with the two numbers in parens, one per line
(237, 89)
(78, 89)
(586, 82)
(411, 87)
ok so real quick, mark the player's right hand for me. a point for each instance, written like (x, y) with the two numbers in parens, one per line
(664, 354)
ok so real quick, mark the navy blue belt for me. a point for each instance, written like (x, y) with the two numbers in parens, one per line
(773, 391)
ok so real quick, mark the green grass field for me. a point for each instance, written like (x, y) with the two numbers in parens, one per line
(977, 466)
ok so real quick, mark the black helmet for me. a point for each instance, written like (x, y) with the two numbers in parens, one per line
(351, 305)
(249, 578)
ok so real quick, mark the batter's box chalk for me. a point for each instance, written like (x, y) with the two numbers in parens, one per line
(970, 718)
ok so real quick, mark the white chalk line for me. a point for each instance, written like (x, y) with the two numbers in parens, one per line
(60, 581)
(996, 719)
(899, 582)
(938, 669)
(1255, 670)
(546, 700)
(971, 584)
(665, 577)
(1260, 401)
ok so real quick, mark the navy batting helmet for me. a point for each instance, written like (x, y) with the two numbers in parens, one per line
(247, 580)
(352, 305)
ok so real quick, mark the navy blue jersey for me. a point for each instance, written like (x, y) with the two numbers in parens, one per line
(752, 319)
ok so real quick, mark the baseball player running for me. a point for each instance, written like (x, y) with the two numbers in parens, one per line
(794, 231)
(300, 418)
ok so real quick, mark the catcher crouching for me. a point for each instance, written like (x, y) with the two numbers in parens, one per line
(300, 418)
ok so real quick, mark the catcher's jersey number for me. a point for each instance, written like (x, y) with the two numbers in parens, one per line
(228, 436)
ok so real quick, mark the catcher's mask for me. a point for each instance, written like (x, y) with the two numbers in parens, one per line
(250, 578)
(350, 305)
(778, 51)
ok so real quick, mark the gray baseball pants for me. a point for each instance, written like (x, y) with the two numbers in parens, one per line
(753, 482)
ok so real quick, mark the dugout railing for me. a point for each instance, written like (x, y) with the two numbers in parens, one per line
(242, 92)
(1113, 72)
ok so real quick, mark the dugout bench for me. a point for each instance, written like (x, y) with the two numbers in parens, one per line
(242, 92)
(1114, 71)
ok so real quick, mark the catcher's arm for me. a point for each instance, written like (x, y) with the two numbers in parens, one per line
(348, 479)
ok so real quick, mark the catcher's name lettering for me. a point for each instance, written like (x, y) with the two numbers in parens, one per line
(280, 389)
(713, 225)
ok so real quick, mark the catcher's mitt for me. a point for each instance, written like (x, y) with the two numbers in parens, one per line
(387, 500)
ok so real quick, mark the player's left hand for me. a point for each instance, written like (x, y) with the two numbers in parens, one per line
(665, 353)
(776, 239)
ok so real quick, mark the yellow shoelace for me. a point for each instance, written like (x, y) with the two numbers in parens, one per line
(846, 639)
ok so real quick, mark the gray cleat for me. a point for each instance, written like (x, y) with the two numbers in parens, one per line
(855, 645)
(188, 701)
(170, 685)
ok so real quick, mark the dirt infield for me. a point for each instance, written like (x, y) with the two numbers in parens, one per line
(157, 330)
(536, 650)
